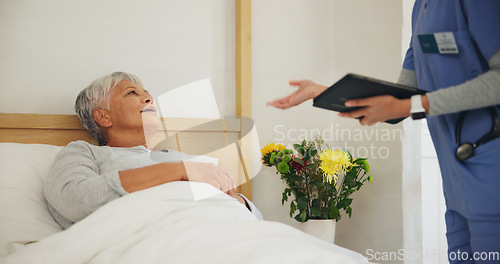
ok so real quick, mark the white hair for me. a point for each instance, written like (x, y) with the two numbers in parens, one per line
(95, 96)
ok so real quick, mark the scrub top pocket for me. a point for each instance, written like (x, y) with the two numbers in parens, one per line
(454, 69)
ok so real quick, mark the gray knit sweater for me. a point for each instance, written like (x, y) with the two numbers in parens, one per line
(480, 92)
(85, 177)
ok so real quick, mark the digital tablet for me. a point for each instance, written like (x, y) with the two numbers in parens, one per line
(353, 86)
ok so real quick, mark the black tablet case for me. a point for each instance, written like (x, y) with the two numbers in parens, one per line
(353, 86)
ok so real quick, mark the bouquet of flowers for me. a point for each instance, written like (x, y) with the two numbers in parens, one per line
(320, 180)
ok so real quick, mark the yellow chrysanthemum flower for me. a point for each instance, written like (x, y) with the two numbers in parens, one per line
(332, 163)
(271, 148)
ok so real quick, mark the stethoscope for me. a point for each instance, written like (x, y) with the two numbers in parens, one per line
(466, 150)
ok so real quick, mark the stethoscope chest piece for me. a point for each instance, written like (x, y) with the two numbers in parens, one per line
(466, 150)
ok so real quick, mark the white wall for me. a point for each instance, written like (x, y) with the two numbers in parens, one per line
(50, 50)
(322, 40)
(434, 244)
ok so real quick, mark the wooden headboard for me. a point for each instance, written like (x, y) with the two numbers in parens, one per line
(219, 138)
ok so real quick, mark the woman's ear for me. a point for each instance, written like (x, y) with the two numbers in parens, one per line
(102, 117)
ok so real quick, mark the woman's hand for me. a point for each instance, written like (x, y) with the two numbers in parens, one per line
(306, 90)
(209, 173)
(378, 109)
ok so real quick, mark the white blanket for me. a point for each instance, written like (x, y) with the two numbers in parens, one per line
(165, 224)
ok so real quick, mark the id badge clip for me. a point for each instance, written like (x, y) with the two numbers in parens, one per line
(442, 43)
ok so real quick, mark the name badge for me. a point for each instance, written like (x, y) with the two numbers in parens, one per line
(443, 43)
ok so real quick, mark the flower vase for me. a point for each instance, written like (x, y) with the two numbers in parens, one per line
(321, 228)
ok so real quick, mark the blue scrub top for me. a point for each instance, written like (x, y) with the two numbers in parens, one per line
(471, 188)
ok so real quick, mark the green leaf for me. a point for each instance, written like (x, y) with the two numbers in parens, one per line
(349, 178)
(299, 161)
(334, 213)
(370, 178)
(349, 211)
(303, 216)
(344, 203)
(294, 177)
(298, 219)
(352, 173)
(312, 166)
(366, 167)
(358, 160)
(319, 184)
(349, 190)
(302, 203)
(300, 149)
(349, 155)
(315, 208)
(306, 156)
(309, 153)
(364, 164)
(293, 208)
(284, 197)
(316, 211)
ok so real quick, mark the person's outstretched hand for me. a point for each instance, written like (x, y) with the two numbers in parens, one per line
(306, 90)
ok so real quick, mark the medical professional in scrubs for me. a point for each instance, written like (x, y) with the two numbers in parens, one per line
(454, 54)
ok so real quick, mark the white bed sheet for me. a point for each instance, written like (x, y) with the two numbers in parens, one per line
(165, 224)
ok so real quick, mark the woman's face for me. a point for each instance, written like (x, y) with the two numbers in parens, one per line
(132, 108)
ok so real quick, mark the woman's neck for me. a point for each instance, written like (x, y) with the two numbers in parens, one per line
(129, 139)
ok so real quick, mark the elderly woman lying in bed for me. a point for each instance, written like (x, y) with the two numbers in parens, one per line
(121, 115)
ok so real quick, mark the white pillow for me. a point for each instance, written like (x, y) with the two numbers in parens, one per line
(23, 211)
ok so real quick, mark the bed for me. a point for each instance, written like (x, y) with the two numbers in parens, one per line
(163, 224)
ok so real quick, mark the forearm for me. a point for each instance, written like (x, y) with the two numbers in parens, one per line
(409, 78)
(480, 92)
(146, 177)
